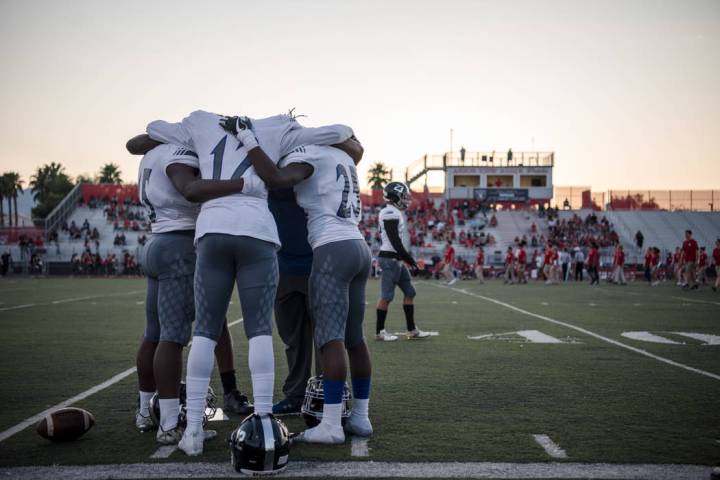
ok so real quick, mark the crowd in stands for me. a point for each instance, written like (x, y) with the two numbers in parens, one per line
(93, 264)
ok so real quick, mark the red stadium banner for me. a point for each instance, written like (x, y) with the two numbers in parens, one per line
(12, 234)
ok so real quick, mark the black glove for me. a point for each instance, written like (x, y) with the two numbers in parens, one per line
(234, 124)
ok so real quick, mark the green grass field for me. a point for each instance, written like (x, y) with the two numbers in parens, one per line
(444, 399)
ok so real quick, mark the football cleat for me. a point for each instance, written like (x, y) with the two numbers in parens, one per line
(452, 282)
(321, 434)
(236, 402)
(192, 442)
(384, 336)
(260, 445)
(417, 333)
(357, 425)
(169, 437)
(287, 407)
(143, 423)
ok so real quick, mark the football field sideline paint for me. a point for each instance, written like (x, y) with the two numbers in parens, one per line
(691, 300)
(67, 300)
(583, 330)
(359, 447)
(536, 336)
(550, 447)
(80, 396)
(164, 452)
(649, 337)
(365, 469)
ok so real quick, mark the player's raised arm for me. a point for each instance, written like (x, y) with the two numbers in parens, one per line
(141, 144)
(327, 135)
(274, 177)
(352, 147)
(186, 181)
(166, 132)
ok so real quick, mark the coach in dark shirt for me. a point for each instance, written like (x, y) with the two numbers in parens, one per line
(292, 308)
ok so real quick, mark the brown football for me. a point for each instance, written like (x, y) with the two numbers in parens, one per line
(65, 424)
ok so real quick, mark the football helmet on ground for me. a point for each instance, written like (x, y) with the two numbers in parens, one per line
(312, 408)
(260, 445)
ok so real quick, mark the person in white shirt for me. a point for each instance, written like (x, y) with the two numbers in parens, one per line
(237, 241)
(327, 188)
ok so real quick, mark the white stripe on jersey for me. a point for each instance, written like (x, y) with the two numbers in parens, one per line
(330, 196)
(166, 208)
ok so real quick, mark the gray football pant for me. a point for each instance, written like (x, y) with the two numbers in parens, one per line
(223, 261)
(337, 291)
(168, 260)
(294, 325)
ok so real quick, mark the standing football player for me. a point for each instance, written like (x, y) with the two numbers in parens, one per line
(716, 261)
(171, 191)
(326, 185)
(237, 241)
(393, 258)
(479, 265)
(449, 263)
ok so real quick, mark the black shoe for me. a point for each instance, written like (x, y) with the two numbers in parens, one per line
(694, 287)
(236, 402)
(287, 407)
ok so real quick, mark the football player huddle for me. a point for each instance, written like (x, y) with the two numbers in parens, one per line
(205, 183)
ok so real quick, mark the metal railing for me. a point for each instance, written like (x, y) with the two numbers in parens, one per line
(64, 208)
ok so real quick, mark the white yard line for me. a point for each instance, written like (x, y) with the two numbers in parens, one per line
(66, 300)
(365, 469)
(585, 331)
(550, 447)
(164, 452)
(646, 294)
(359, 447)
(70, 401)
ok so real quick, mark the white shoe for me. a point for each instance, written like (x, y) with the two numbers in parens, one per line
(143, 423)
(384, 336)
(170, 437)
(357, 425)
(452, 282)
(321, 434)
(192, 442)
(417, 333)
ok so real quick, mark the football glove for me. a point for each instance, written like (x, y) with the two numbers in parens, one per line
(240, 128)
(254, 186)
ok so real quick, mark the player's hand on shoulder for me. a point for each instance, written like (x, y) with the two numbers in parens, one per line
(241, 128)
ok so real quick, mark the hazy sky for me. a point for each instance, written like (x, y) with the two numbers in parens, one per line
(627, 93)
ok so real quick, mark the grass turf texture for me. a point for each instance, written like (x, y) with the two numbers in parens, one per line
(442, 399)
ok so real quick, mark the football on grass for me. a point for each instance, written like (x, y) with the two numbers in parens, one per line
(65, 424)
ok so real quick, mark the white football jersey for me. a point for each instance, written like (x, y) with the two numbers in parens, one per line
(167, 209)
(391, 212)
(330, 196)
(221, 157)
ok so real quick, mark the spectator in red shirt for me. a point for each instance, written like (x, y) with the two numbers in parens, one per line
(648, 263)
(677, 266)
(479, 264)
(547, 264)
(448, 261)
(521, 263)
(689, 259)
(509, 266)
(702, 266)
(716, 260)
(593, 263)
(619, 266)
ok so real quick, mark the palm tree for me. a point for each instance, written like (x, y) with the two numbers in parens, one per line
(378, 176)
(49, 185)
(83, 178)
(3, 193)
(15, 185)
(110, 173)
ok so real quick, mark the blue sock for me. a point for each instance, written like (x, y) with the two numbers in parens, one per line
(333, 391)
(361, 388)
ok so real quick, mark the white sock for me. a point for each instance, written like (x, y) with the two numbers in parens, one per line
(169, 411)
(360, 407)
(262, 371)
(145, 402)
(199, 367)
(332, 416)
